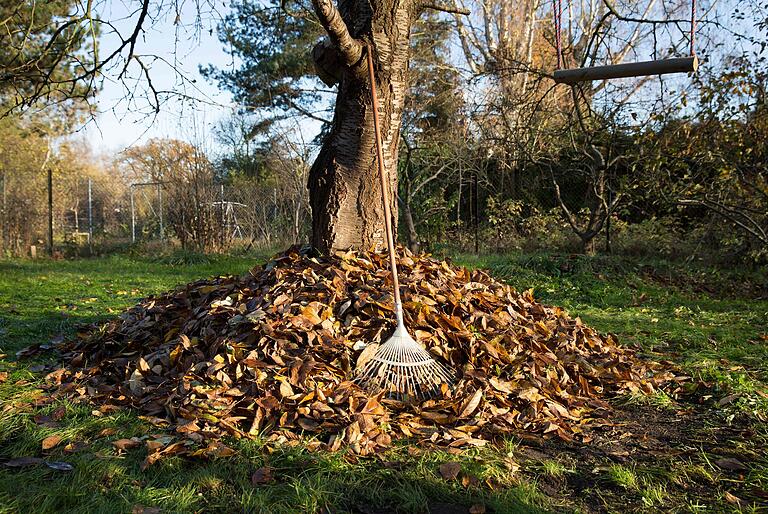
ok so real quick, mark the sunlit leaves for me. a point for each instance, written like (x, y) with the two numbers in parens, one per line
(272, 353)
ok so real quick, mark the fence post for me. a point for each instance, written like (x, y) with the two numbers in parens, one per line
(476, 213)
(223, 214)
(4, 213)
(90, 215)
(160, 209)
(133, 218)
(608, 225)
(50, 212)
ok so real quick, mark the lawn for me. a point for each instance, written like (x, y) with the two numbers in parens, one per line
(704, 452)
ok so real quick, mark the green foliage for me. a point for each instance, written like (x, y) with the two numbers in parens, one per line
(431, 106)
(43, 47)
(275, 76)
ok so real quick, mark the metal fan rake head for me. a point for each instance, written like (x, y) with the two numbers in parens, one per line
(403, 369)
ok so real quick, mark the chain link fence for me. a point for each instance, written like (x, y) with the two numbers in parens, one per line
(80, 215)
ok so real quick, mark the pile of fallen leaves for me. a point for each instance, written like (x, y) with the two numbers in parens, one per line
(272, 353)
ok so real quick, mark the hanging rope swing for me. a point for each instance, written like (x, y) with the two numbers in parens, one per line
(615, 71)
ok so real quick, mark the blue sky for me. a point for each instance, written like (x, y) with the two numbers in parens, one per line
(122, 121)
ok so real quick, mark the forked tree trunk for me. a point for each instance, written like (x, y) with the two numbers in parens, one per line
(344, 190)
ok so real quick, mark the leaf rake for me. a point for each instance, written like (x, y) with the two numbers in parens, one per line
(400, 367)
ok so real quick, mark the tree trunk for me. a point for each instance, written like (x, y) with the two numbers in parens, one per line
(344, 190)
(411, 234)
(588, 244)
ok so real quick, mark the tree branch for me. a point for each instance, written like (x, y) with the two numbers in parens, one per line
(445, 8)
(350, 49)
(612, 10)
(731, 215)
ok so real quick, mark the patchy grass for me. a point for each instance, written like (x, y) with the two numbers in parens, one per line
(712, 322)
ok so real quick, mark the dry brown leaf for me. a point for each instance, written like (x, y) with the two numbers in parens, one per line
(127, 444)
(262, 476)
(310, 313)
(140, 509)
(51, 442)
(286, 391)
(731, 464)
(366, 355)
(450, 470)
(23, 462)
(728, 399)
(470, 481)
(471, 404)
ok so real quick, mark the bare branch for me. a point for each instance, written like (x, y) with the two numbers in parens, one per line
(445, 8)
(155, 93)
(737, 217)
(615, 13)
(350, 49)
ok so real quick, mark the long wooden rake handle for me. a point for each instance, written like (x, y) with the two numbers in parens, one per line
(384, 186)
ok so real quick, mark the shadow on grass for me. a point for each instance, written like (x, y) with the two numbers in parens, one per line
(105, 481)
(18, 332)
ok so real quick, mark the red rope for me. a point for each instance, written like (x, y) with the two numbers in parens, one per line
(693, 27)
(558, 9)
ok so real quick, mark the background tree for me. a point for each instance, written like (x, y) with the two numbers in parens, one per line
(42, 55)
(187, 178)
(344, 193)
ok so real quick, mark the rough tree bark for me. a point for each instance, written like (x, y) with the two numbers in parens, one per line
(344, 191)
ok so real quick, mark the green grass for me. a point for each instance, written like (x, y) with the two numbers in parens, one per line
(45, 298)
(716, 335)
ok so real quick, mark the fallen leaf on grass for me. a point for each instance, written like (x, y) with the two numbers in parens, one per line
(470, 481)
(127, 444)
(51, 442)
(3, 376)
(262, 476)
(45, 421)
(731, 464)
(158, 443)
(140, 509)
(450, 470)
(28, 351)
(75, 446)
(172, 449)
(733, 499)
(218, 450)
(728, 399)
(60, 466)
(511, 465)
(22, 462)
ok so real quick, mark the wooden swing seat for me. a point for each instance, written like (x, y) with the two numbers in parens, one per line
(633, 69)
